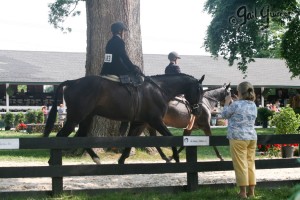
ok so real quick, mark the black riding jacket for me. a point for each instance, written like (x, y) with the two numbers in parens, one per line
(116, 60)
(172, 68)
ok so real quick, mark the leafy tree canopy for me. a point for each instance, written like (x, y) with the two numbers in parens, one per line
(60, 10)
(242, 30)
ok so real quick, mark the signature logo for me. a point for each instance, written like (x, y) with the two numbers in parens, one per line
(243, 15)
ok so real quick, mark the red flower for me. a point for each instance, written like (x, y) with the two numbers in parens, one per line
(22, 126)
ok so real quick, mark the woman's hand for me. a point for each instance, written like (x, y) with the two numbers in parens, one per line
(234, 97)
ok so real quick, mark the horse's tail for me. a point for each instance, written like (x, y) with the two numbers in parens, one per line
(53, 112)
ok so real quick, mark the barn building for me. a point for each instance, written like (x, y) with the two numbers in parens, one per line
(30, 76)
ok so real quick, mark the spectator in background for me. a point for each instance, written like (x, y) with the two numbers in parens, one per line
(258, 100)
(275, 106)
(61, 114)
(280, 96)
(45, 112)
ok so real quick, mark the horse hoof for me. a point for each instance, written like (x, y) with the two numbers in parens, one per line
(97, 161)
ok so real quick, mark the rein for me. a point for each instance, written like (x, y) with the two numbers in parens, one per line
(192, 107)
(211, 98)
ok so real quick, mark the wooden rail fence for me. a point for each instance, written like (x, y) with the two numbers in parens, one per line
(191, 167)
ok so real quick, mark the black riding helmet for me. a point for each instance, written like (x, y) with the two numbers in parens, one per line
(117, 27)
(173, 56)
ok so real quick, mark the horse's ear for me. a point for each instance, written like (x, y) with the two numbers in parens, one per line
(227, 86)
(201, 80)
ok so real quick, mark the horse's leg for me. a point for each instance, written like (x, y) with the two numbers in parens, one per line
(185, 133)
(207, 131)
(84, 127)
(152, 132)
(136, 129)
(162, 129)
(123, 128)
(64, 132)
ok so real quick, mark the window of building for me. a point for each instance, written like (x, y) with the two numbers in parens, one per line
(48, 88)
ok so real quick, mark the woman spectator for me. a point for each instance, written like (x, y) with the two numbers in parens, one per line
(241, 115)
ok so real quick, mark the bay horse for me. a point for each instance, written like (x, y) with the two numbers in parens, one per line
(144, 105)
(178, 116)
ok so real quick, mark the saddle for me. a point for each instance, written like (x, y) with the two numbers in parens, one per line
(181, 99)
(132, 79)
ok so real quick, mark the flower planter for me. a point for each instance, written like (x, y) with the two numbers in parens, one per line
(287, 151)
(221, 122)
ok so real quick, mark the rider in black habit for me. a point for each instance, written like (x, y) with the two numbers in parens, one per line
(173, 68)
(116, 60)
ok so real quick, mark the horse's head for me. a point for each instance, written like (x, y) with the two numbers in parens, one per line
(194, 96)
(225, 92)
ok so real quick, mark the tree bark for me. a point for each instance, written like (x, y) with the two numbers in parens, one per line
(100, 16)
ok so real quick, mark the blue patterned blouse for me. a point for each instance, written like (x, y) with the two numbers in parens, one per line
(241, 117)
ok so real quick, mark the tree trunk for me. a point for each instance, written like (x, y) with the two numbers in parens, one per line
(100, 16)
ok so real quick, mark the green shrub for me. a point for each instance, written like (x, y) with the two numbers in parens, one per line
(19, 117)
(286, 121)
(9, 120)
(1, 122)
(39, 117)
(263, 114)
(31, 117)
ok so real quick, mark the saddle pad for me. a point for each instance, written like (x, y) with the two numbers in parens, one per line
(111, 77)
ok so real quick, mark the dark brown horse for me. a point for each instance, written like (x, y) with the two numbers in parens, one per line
(143, 106)
(179, 114)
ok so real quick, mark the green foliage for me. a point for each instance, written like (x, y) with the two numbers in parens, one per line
(286, 121)
(39, 116)
(10, 91)
(241, 30)
(61, 9)
(22, 87)
(296, 193)
(263, 114)
(9, 119)
(290, 46)
(31, 117)
(19, 117)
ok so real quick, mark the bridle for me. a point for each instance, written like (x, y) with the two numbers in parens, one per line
(194, 107)
(226, 92)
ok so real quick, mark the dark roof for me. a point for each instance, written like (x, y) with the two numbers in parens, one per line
(35, 67)
(40, 67)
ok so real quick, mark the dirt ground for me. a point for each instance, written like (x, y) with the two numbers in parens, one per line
(129, 181)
